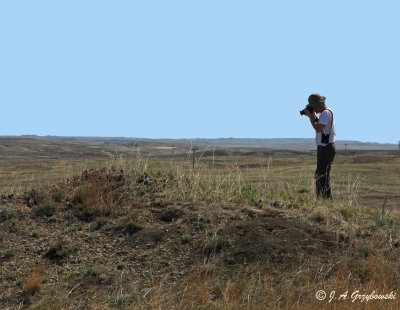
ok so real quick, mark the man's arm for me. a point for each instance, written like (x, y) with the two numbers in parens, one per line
(318, 127)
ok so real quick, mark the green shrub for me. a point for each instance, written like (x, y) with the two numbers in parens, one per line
(72, 275)
(132, 227)
(9, 253)
(47, 209)
(57, 252)
(346, 213)
(85, 213)
(57, 196)
(16, 228)
(7, 214)
(129, 226)
(382, 222)
(35, 233)
(125, 300)
(90, 212)
(215, 245)
(134, 216)
(186, 239)
(96, 276)
(100, 222)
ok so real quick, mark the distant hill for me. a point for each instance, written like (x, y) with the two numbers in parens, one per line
(284, 143)
(245, 143)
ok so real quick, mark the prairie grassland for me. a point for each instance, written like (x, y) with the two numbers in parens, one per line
(364, 217)
(370, 178)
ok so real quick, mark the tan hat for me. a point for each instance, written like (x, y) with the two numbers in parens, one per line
(315, 100)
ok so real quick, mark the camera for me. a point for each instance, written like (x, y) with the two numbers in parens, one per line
(308, 108)
(325, 138)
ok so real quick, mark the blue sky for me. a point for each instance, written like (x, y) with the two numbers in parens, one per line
(198, 69)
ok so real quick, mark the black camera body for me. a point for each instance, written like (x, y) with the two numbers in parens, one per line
(302, 112)
(308, 108)
(325, 138)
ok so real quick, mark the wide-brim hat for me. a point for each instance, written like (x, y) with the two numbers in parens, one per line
(315, 100)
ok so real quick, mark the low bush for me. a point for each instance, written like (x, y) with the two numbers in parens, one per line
(57, 253)
(7, 214)
(47, 209)
(129, 226)
(57, 196)
(9, 253)
(215, 245)
(35, 233)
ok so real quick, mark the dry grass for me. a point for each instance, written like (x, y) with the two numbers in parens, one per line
(34, 280)
(263, 286)
(95, 196)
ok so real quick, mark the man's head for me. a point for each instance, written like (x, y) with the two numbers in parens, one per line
(317, 102)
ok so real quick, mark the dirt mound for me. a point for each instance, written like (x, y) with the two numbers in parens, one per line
(115, 187)
(269, 236)
(141, 237)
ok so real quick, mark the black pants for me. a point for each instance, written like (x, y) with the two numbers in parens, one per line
(325, 156)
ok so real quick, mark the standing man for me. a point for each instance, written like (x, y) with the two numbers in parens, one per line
(325, 140)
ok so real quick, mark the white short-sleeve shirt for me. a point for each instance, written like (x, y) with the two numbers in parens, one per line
(326, 119)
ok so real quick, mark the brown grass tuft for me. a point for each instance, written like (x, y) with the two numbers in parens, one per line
(33, 284)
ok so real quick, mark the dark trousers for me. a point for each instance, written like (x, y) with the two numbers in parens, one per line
(325, 156)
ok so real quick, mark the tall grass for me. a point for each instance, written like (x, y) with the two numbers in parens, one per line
(266, 286)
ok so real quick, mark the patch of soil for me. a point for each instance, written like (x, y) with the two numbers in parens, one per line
(269, 236)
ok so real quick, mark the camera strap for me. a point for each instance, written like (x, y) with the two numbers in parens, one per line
(330, 130)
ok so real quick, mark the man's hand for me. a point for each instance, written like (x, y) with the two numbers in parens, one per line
(308, 113)
(318, 127)
(311, 115)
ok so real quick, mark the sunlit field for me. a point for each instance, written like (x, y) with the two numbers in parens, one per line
(367, 178)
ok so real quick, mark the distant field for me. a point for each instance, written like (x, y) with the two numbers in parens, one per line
(248, 143)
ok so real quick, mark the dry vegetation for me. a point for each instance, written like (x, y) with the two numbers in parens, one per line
(240, 232)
